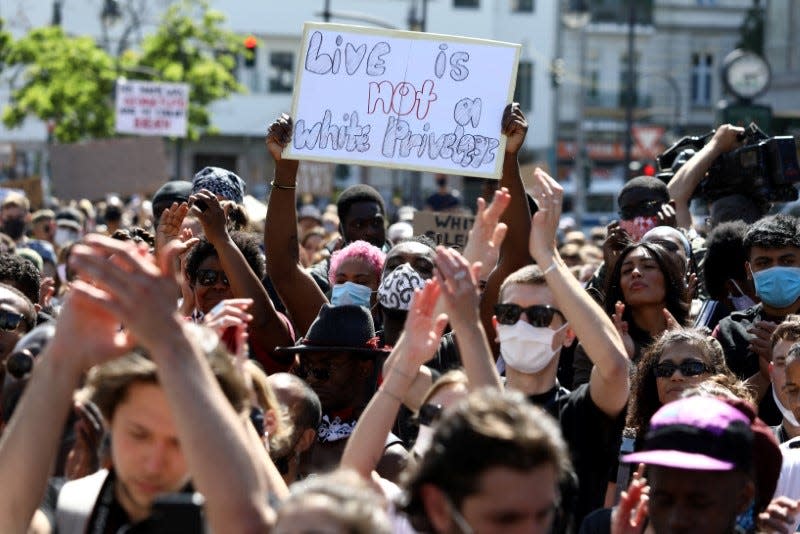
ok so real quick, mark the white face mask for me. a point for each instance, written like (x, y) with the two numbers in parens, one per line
(787, 414)
(525, 348)
(64, 236)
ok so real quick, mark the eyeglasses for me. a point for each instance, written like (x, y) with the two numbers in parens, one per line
(209, 277)
(646, 208)
(686, 367)
(537, 315)
(9, 320)
(429, 413)
(320, 374)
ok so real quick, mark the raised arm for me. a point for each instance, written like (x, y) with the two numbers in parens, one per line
(459, 287)
(682, 185)
(297, 289)
(517, 217)
(266, 329)
(417, 344)
(609, 384)
(236, 489)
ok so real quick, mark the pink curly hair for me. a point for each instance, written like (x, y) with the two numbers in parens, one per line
(370, 254)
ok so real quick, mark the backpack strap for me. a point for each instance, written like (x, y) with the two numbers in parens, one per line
(76, 500)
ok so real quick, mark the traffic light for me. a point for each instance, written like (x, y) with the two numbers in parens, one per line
(250, 45)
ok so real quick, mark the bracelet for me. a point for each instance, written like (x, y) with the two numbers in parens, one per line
(390, 394)
(550, 268)
(279, 186)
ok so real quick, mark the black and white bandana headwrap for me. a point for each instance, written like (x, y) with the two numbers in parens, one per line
(221, 182)
(398, 286)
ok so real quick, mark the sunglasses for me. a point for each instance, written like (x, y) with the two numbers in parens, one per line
(686, 367)
(320, 374)
(429, 413)
(537, 315)
(9, 321)
(209, 277)
(645, 209)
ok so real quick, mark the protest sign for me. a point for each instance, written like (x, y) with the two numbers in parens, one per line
(447, 229)
(402, 100)
(152, 108)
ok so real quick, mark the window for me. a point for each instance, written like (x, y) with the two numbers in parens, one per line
(466, 3)
(523, 92)
(701, 79)
(281, 72)
(522, 6)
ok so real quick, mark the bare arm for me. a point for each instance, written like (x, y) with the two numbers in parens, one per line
(682, 185)
(416, 345)
(266, 328)
(609, 384)
(517, 217)
(297, 289)
(236, 489)
(459, 287)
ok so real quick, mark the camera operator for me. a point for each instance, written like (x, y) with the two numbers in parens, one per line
(683, 184)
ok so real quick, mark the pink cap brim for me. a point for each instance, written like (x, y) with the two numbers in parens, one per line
(679, 460)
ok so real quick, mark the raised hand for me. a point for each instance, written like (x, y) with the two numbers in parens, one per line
(630, 515)
(488, 233)
(459, 287)
(279, 133)
(515, 127)
(169, 224)
(423, 329)
(228, 313)
(207, 208)
(779, 517)
(548, 195)
(616, 241)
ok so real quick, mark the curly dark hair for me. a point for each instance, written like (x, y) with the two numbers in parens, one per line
(644, 402)
(725, 257)
(249, 245)
(357, 193)
(136, 234)
(675, 290)
(22, 274)
(777, 231)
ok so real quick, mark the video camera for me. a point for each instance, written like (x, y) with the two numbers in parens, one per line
(764, 168)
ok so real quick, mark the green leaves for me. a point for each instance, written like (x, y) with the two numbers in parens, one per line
(70, 80)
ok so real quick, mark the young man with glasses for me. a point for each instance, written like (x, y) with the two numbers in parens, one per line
(541, 309)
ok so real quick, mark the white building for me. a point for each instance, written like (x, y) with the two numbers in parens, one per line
(242, 119)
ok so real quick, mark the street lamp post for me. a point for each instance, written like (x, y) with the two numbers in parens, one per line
(577, 17)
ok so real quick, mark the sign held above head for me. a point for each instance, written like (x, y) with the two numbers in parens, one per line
(399, 99)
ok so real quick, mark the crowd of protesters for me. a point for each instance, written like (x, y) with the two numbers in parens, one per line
(190, 364)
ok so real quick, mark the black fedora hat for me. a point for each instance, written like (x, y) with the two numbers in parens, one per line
(345, 328)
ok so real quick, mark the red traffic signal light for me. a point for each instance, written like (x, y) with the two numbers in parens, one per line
(250, 43)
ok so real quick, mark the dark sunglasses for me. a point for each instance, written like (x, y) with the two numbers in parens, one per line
(687, 368)
(9, 320)
(429, 413)
(646, 209)
(537, 315)
(319, 373)
(209, 277)
(19, 364)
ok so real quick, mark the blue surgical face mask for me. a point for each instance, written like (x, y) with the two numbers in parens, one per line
(351, 293)
(778, 286)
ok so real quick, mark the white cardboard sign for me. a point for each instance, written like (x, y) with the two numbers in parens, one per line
(152, 108)
(402, 99)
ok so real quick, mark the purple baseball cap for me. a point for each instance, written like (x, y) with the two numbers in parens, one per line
(698, 434)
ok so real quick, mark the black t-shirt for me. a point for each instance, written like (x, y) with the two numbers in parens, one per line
(592, 438)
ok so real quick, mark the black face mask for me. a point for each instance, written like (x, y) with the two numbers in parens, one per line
(14, 228)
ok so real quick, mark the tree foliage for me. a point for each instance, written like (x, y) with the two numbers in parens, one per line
(191, 46)
(69, 81)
